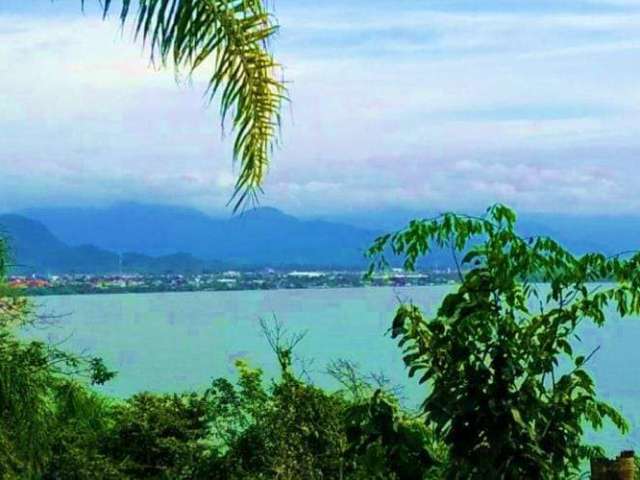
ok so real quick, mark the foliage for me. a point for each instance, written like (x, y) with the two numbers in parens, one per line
(53, 426)
(386, 443)
(507, 393)
(39, 390)
(297, 435)
(78, 438)
(233, 36)
(159, 436)
(38, 398)
(298, 431)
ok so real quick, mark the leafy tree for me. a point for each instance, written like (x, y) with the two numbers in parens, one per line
(40, 392)
(386, 443)
(232, 36)
(159, 436)
(507, 393)
(294, 430)
(306, 435)
(289, 431)
(78, 438)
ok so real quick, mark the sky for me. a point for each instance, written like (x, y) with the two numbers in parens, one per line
(395, 104)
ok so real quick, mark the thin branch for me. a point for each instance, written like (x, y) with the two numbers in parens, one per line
(455, 259)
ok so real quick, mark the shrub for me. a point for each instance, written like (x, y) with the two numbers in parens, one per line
(507, 393)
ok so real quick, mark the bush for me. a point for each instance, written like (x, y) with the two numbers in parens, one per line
(507, 393)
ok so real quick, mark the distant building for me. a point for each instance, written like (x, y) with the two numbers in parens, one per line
(306, 274)
(29, 283)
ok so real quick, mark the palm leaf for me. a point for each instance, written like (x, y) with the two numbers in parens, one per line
(233, 36)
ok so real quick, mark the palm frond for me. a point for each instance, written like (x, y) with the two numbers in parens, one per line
(233, 36)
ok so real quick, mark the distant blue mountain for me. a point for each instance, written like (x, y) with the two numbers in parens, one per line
(258, 237)
(609, 234)
(34, 249)
(268, 237)
(127, 227)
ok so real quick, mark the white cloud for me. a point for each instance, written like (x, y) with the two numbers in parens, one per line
(446, 109)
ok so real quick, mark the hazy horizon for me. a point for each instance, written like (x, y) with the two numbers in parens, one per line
(383, 213)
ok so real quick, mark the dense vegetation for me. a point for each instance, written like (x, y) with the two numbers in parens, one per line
(76, 240)
(507, 397)
(53, 426)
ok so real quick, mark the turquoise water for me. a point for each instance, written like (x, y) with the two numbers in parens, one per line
(179, 341)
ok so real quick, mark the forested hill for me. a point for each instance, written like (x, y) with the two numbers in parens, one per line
(260, 237)
(34, 249)
(180, 239)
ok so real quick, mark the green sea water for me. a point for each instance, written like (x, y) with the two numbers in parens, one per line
(180, 341)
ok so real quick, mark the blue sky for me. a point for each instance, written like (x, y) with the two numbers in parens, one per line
(395, 104)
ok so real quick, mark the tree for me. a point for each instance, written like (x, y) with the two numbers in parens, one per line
(507, 393)
(159, 436)
(233, 36)
(43, 403)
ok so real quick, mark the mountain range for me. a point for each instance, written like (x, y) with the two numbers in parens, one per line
(156, 238)
(580, 233)
(262, 236)
(143, 238)
(34, 249)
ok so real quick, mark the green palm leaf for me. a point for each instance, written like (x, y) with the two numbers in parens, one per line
(233, 36)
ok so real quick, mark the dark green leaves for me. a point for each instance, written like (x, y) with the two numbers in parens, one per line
(378, 428)
(491, 354)
(99, 372)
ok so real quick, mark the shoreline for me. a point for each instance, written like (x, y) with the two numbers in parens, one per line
(125, 291)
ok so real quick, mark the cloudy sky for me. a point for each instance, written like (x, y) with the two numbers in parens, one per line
(395, 104)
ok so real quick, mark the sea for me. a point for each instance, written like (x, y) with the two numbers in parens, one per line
(175, 342)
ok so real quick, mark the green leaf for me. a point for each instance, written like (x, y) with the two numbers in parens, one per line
(231, 37)
(515, 414)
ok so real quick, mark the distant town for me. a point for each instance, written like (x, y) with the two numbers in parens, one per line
(75, 284)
